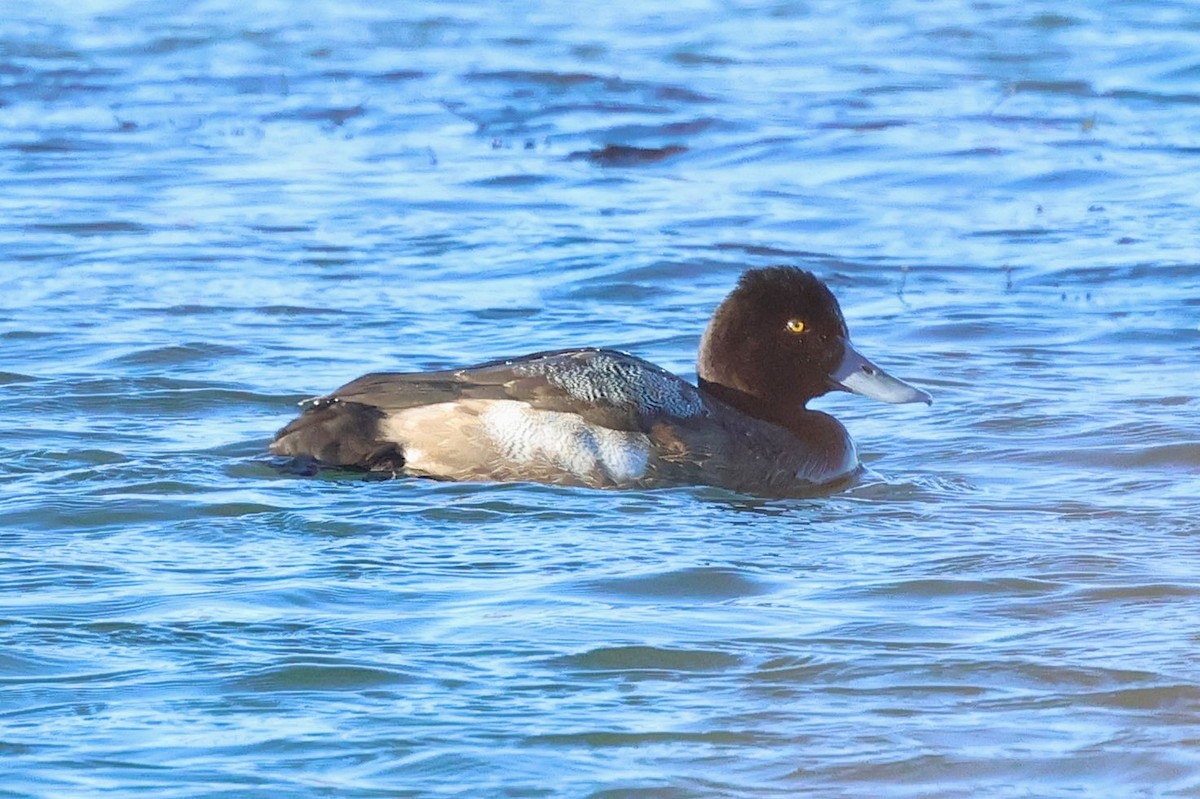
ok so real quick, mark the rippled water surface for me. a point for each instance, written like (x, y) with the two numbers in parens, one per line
(211, 210)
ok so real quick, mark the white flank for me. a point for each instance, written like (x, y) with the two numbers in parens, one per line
(565, 441)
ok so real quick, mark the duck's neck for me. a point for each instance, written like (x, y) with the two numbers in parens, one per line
(824, 436)
(790, 416)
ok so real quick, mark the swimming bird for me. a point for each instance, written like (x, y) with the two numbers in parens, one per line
(607, 419)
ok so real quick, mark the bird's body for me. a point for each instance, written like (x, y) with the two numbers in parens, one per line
(573, 417)
(607, 419)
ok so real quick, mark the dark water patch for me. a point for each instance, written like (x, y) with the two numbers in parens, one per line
(1170, 401)
(236, 510)
(1052, 21)
(229, 310)
(1140, 272)
(336, 117)
(668, 92)
(142, 398)
(91, 514)
(619, 155)
(711, 583)
(661, 272)
(1080, 453)
(285, 229)
(73, 458)
(647, 660)
(328, 248)
(14, 750)
(541, 78)
(927, 588)
(865, 126)
(83, 229)
(694, 58)
(167, 45)
(333, 262)
(193, 310)
(1180, 699)
(700, 224)
(883, 89)
(669, 130)
(682, 94)
(1037, 123)
(319, 676)
(1071, 88)
(1153, 98)
(954, 33)
(1138, 593)
(57, 144)
(978, 152)
(178, 355)
(1017, 233)
(398, 76)
(40, 48)
(1065, 178)
(163, 487)
(616, 292)
(562, 82)
(78, 73)
(795, 670)
(512, 181)
(598, 107)
(656, 789)
(501, 314)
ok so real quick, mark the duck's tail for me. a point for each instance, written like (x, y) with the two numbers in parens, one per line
(344, 434)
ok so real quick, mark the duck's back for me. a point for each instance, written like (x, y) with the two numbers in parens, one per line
(574, 417)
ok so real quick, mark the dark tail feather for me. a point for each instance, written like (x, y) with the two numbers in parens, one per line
(339, 434)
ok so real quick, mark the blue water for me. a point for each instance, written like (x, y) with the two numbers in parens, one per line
(212, 210)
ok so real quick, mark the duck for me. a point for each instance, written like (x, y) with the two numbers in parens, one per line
(602, 418)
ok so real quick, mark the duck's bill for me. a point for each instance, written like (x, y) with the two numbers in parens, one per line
(856, 373)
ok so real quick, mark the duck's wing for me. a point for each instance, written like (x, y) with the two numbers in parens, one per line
(604, 387)
(511, 419)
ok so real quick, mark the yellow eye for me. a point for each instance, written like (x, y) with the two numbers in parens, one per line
(795, 326)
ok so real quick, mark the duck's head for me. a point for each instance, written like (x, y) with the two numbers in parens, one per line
(778, 340)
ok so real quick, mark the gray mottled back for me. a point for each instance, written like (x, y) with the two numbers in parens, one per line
(615, 378)
(610, 388)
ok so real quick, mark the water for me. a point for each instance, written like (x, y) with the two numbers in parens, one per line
(212, 210)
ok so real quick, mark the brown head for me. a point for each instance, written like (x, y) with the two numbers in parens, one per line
(779, 340)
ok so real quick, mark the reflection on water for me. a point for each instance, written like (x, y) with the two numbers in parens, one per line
(212, 212)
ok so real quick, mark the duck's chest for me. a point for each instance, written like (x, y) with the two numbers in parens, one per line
(752, 456)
